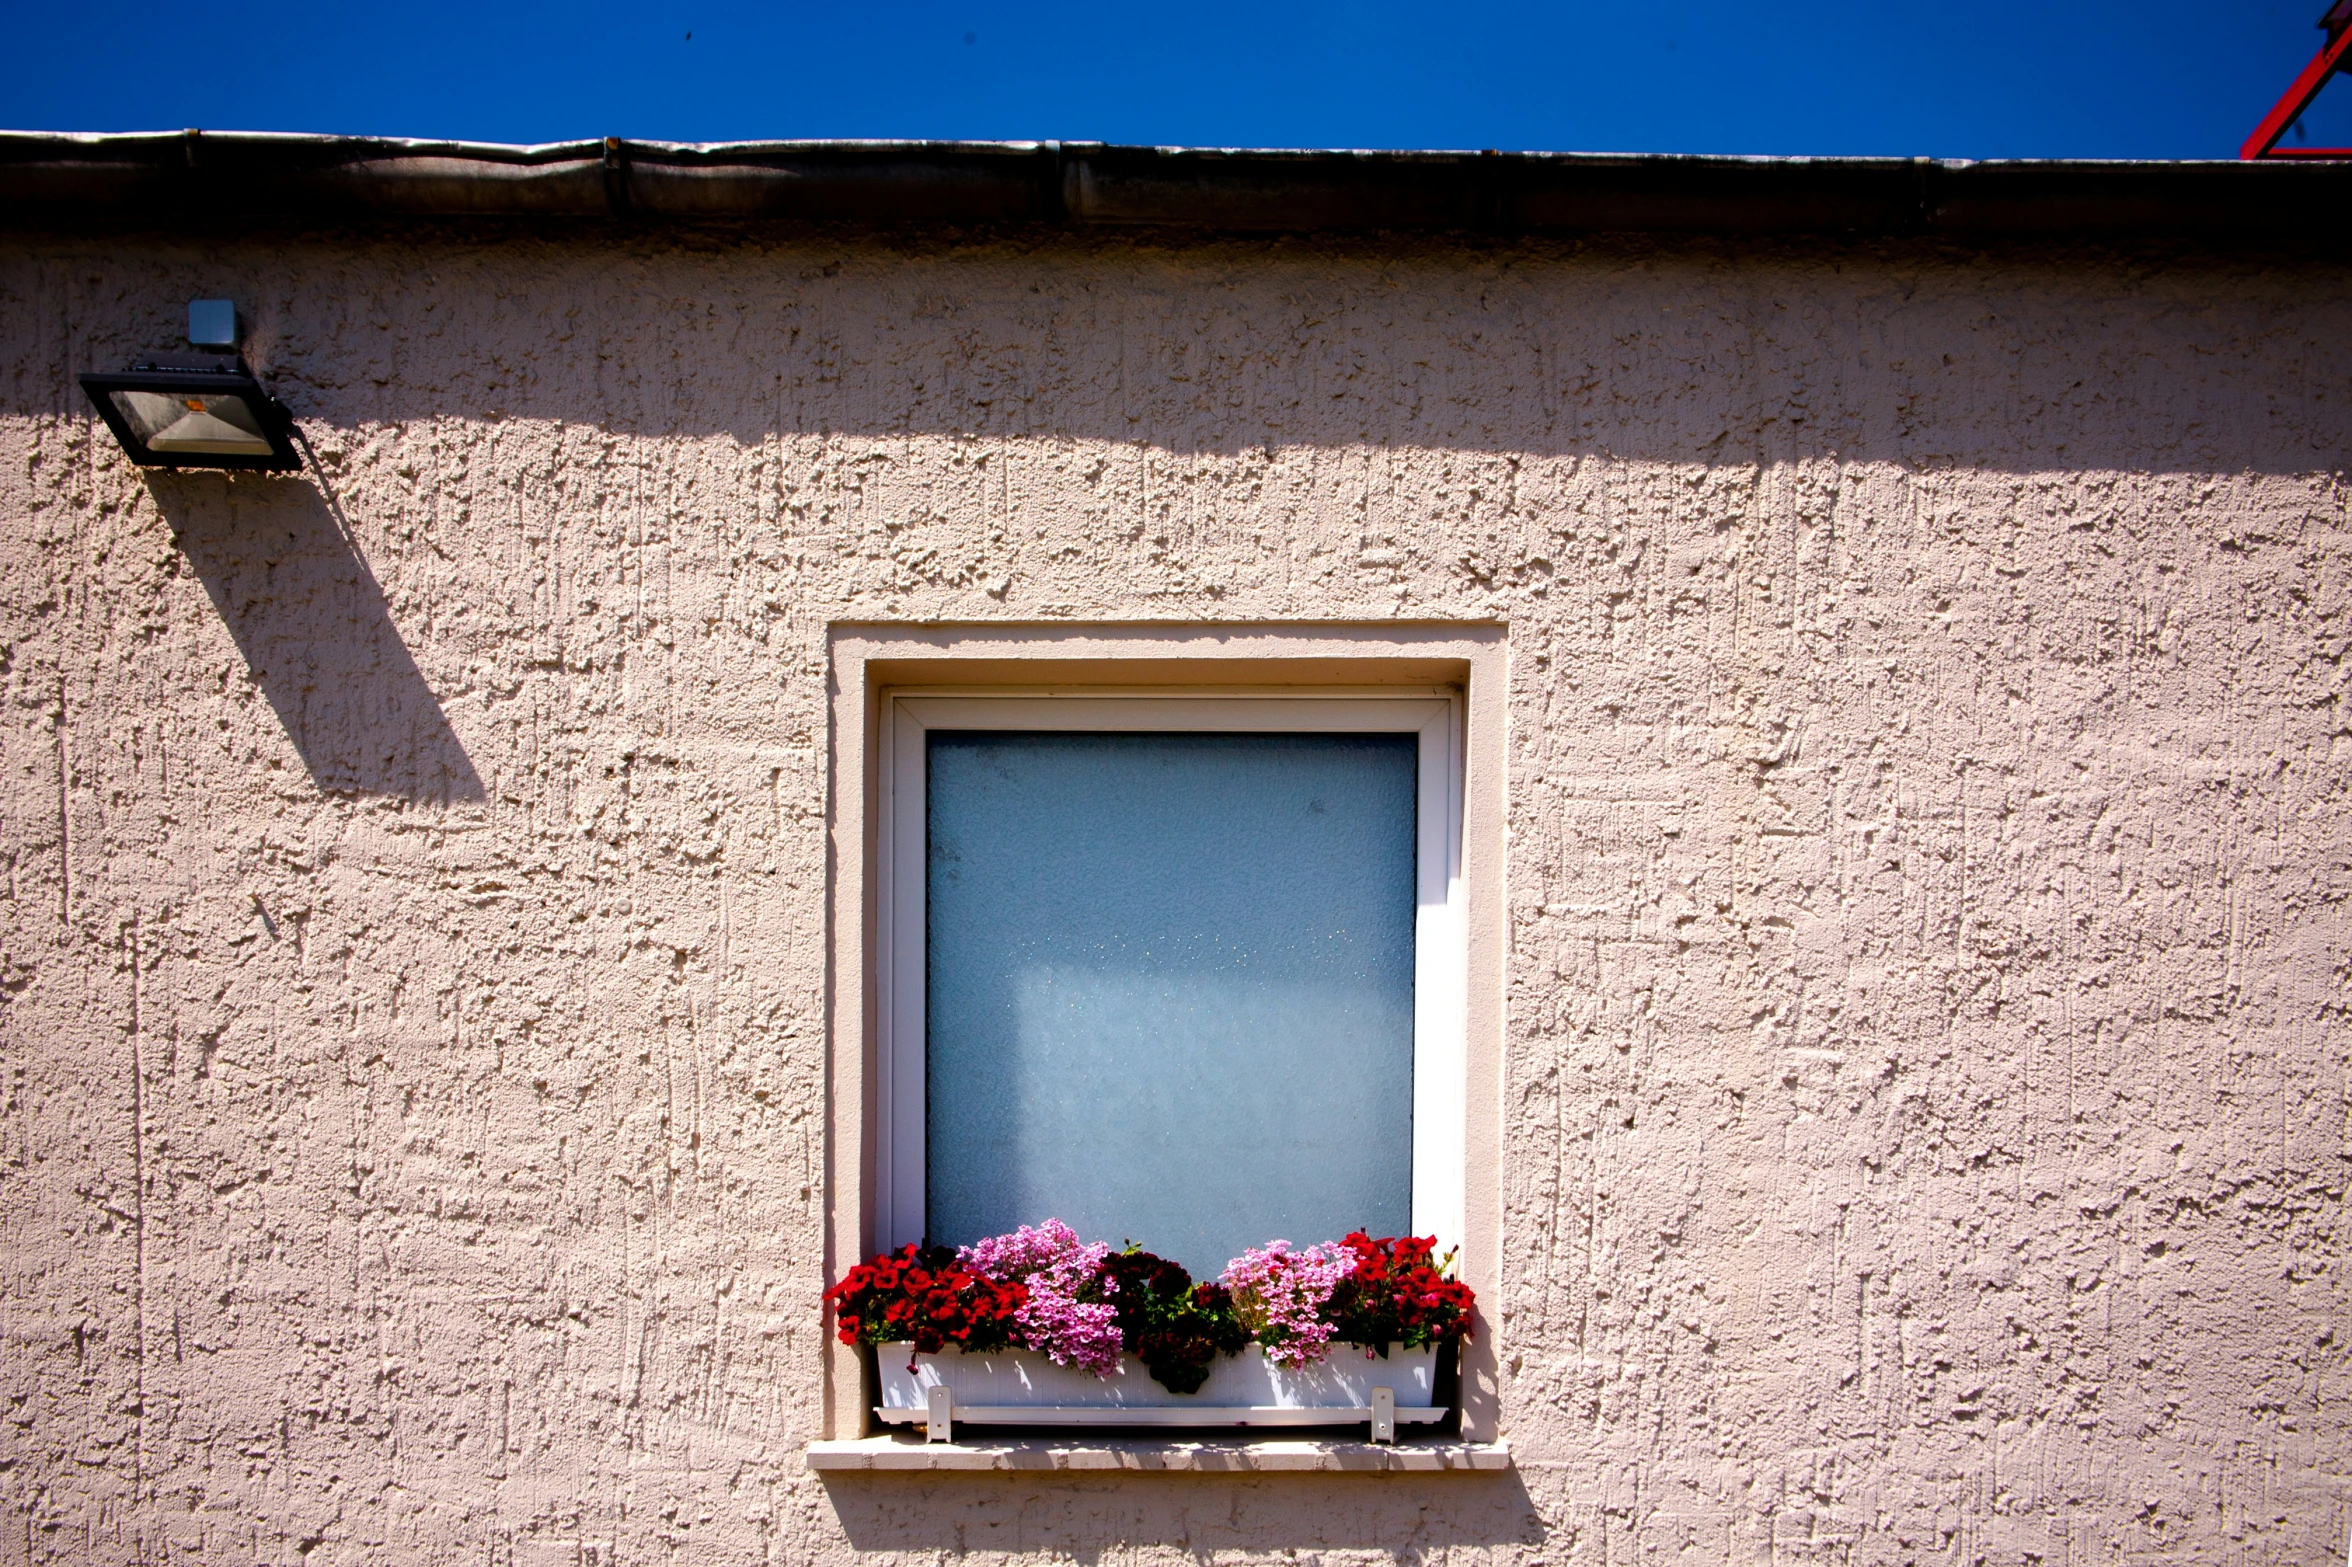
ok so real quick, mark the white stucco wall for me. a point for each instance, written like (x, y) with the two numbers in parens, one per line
(1926, 1103)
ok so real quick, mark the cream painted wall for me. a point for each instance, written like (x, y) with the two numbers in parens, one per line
(1925, 1088)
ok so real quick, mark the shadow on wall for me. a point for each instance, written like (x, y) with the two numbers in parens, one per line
(2023, 360)
(1085, 1518)
(279, 563)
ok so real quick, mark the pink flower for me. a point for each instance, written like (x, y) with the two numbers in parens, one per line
(1280, 1294)
(1065, 1315)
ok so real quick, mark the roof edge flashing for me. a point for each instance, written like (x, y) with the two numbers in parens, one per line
(177, 177)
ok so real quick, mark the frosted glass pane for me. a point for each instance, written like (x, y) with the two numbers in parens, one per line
(1170, 987)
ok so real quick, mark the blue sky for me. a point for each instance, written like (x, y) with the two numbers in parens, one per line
(2060, 78)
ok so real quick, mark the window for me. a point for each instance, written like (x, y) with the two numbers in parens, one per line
(1183, 968)
(893, 687)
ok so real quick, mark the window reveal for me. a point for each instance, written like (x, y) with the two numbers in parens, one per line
(1186, 968)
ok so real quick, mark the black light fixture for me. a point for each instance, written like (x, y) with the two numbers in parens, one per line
(201, 410)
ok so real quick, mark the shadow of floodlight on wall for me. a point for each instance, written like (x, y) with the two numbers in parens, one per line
(282, 569)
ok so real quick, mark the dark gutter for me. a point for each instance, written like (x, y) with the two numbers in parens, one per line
(191, 177)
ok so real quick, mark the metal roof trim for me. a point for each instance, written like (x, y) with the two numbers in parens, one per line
(171, 178)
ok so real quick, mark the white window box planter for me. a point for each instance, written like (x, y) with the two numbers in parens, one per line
(1023, 1387)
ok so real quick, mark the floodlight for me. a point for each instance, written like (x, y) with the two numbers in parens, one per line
(197, 411)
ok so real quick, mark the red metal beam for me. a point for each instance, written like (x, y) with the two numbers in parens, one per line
(2264, 142)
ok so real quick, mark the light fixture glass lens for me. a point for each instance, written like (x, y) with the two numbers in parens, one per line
(198, 424)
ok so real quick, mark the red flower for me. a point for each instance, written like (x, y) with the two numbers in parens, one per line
(1398, 1295)
(924, 1295)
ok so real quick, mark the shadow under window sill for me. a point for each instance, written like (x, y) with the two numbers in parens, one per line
(1162, 1455)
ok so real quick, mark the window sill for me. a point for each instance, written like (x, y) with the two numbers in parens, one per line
(1158, 1455)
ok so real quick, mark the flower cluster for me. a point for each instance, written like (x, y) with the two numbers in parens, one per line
(1175, 1327)
(1396, 1295)
(1067, 1314)
(925, 1296)
(1086, 1306)
(1280, 1294)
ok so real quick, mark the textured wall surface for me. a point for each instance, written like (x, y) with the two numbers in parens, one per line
(1927, 1076)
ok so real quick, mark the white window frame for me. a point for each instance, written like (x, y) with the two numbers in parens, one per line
(1440, 927)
